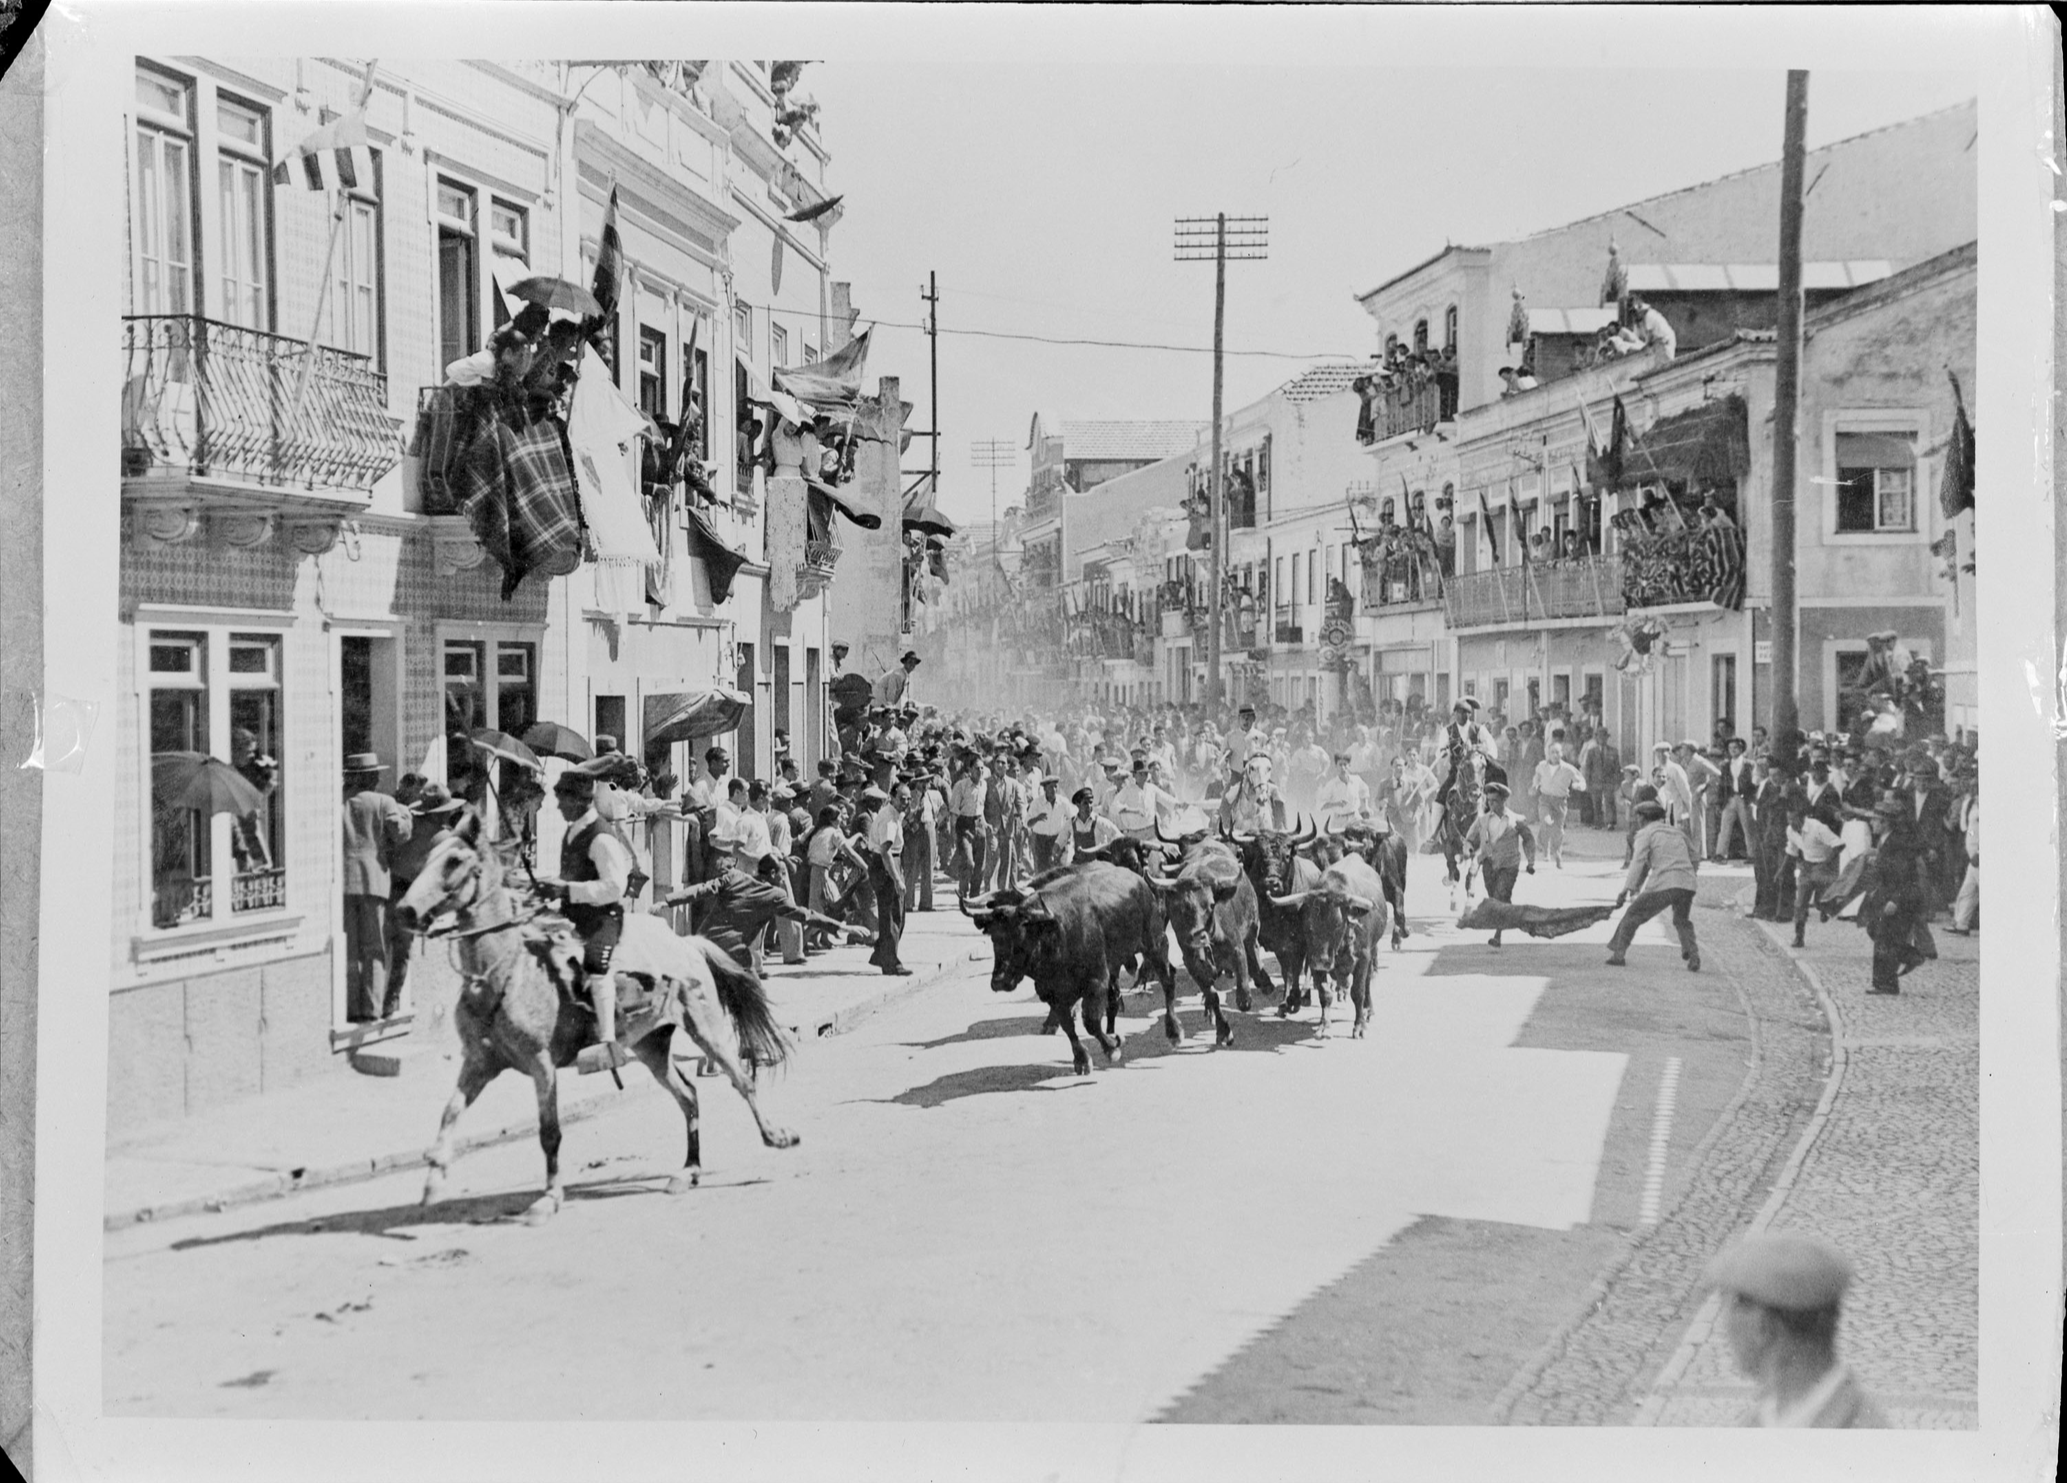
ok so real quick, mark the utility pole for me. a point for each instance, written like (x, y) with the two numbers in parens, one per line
(1786, 399)
(1199, 237)
(932, 298)
(993, 454)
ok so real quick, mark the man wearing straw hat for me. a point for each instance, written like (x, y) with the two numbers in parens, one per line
(374, 828)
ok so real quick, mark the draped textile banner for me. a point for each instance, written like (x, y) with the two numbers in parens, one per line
(516, 488)
(602, 429)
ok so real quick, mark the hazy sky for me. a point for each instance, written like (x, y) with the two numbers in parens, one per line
(1043, 196)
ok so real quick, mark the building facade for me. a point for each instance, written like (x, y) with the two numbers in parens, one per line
(296, 583)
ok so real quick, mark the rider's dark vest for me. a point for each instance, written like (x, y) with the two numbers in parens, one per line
(575, 865)
(1085, 835)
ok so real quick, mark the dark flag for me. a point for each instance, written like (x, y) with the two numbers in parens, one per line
(609, 261)
(1956, 485)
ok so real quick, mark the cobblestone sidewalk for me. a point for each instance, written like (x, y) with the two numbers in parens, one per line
(1901, 1134)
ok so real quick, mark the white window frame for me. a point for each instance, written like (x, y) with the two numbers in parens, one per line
(251, 171)
(182, 129)
(1911, 422)
(484, 278)
(352, 278)
(493, 635)
(778, 345)
(223, 927)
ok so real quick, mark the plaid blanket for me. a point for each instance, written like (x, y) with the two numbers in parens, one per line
(516, 488)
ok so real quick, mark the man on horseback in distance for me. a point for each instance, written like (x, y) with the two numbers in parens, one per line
(1467, 734)
(595, 873)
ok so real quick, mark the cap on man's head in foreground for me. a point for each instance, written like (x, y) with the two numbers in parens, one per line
(1782, 1269)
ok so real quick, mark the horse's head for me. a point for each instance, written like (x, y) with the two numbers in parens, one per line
(458, 874)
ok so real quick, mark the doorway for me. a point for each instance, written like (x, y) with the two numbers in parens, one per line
(744, 745)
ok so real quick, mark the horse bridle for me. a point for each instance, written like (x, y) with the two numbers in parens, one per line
(461, 933)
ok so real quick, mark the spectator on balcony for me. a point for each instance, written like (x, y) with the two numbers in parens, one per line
(1654, 329)
(1514, 381)
(1714, 514)
(1570, 549)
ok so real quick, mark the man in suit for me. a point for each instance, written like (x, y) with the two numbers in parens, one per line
(1930, 805)
(1774, 893)
(1737, 790)
(374, 827)
(1781, 1293)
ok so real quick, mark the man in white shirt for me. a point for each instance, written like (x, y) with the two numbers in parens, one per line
(1656, 329)
(1556, 781)
(891, 689)
(1344, 799)
(707, 791)
(740, 831)
(1047, 825)
(1817, 845)
(1138, 803)
(1675, 791)
(1160, 750)
(883, 826)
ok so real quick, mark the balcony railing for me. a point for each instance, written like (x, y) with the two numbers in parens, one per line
(217, 400)
(1584, 587)
(1408, 409)
(1399, 581)
(1703, 564)
(258, 890)
(815, 571)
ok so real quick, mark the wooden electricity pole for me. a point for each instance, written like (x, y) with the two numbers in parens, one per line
(1786, 708)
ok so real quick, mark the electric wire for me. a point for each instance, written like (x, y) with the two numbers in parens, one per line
(893, 324)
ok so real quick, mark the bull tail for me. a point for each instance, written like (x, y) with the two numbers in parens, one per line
(745, 1002)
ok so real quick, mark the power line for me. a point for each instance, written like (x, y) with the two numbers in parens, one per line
(892, 324)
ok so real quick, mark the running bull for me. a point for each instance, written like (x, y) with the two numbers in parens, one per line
(1070, 934)
(1213, 910)
(1343, 916)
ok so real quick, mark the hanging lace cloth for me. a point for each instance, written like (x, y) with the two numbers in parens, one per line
(796, 451)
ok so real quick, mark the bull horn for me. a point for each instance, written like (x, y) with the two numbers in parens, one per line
(1309, 833)
(1292, 902)
(980, 903)
(1159, 830)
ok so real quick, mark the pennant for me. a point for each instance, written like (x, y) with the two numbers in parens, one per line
(609, 262)
(339, 153)
(1956, 483)
(775, 266)
(1485, 520)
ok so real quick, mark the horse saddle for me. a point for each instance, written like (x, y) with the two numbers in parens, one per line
(560, 954)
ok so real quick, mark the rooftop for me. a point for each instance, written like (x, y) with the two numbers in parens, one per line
(1147, 441)
(1322, 381)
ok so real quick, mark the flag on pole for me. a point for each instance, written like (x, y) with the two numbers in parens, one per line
(1485, 520)
(609, 262)
(1956, 483)
(337, 154)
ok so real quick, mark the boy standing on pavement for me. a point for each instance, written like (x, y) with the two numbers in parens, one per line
(1663, 861)
(1500, 840)
(1556, 780)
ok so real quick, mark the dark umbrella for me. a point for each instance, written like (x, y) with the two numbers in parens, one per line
(558, 293)
(502, 744)
(196, 780)
(551, 739)
(852, 689)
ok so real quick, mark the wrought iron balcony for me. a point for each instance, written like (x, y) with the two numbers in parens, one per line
(815, 572)
(1585, 587)
(212, 401)
(1409, 409)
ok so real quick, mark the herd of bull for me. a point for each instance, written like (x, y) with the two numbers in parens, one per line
(1230, 898)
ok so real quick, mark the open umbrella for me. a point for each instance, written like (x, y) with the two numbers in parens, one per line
(502, 744)
(196, 780)
(557, 293)
(852, 689)
(551, 739)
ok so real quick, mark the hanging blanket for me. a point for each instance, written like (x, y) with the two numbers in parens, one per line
(719, 560)
(1537, 921)
(516, 488)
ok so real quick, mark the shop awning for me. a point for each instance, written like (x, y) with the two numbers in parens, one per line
(687, 716)
(1703, 447)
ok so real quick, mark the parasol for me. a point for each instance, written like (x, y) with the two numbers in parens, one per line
(198, 781)
(924, 515)
(557, 293)
(551, 739)
(852, 689)
(687, 716)
(502, 744)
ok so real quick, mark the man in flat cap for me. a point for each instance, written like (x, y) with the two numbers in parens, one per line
(1047, 825)
(1501, 841)
(1781, 1292)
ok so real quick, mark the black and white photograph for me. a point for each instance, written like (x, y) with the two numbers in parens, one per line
(1112, 742)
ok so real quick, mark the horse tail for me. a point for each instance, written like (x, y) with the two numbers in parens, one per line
(746, 1002)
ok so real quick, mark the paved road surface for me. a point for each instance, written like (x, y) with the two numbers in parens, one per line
(1293, 1229)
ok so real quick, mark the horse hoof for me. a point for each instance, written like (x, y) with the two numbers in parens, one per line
(1223, 1036)
(541, 1210)
(1242, 1003)
(1113, 1057)
(1081, 1065)
(781, 1138)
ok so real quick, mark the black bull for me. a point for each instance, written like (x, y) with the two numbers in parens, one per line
(1343, 917)
(1071, 932)
(1213, 909)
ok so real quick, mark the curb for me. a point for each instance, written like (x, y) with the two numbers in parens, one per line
(1703, 1326)
(357, 1171)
